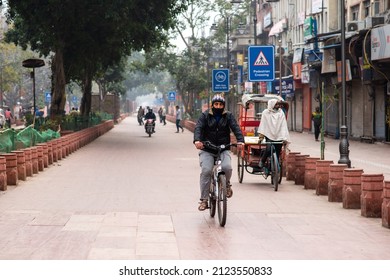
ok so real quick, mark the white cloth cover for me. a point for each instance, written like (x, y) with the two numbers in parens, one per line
(273, 124)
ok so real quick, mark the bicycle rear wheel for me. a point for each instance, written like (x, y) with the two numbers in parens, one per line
(275, 171)
(222, 200)
(212, 200)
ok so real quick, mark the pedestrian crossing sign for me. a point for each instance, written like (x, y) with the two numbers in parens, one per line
(261, 63)
(261, 60)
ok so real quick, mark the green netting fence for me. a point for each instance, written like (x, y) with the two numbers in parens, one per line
(40, 131)
(11, 139)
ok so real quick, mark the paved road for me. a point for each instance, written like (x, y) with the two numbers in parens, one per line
(127, 196)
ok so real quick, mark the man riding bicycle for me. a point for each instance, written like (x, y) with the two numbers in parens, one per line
(215, 125)
(273, 126)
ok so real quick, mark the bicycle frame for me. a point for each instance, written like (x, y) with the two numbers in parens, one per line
(217, 191)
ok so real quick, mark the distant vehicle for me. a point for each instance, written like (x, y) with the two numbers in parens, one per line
(2, 118)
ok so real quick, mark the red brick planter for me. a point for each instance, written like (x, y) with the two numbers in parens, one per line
(300, 169)
(371, 197)
(322, 176)
(45, 154)
(386, 205)
(40, 158)
(3, 174)
(28, 161)
(21, 164)
(34, 159)
(352, 188)
(12, 168)
(335, 185)
(290, 164)
(310, 173)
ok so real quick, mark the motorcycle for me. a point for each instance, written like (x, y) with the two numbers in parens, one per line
(149, 126)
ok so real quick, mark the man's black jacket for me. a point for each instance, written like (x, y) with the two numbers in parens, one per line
(207, 129)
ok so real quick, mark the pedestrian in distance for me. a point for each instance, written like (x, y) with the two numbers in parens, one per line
(8, 117)
(140, 115)
(164, 115)
(179, 117)
(160, 114)
(273, 127)
(316, 117)
(215, 125)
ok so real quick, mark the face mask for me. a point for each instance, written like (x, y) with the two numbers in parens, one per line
(217, 111)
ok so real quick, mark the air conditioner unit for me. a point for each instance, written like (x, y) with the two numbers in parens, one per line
(374, 21)
(355, 25)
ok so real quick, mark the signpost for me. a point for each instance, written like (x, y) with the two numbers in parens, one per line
(172, 96)
(220, 81)
(261, 63)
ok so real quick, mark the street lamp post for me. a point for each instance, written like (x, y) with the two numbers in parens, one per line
(280, 66)
(344, 144)
(33, 63)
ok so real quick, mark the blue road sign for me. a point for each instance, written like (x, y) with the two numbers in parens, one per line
(220, 81)
(171, 96)
(47, 97)
(74, 99)
(261, 63)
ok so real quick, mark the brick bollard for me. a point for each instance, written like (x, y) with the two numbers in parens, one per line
(310, 173)
(386, 204)
(54, 150)
(322, 176)
(300, 169)
(34, 159)
(21, 163)
(352, 188)
(335, 185)
(50, 152)
(40, 158)
(28, 162)
(12, 168)
(371, 197)
(45, 154)
(290, 166)
(3, 174)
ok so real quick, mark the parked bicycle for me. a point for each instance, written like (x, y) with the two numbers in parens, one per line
(217, 191)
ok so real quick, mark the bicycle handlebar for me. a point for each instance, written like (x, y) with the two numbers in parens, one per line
(278, 142)
(220, 147)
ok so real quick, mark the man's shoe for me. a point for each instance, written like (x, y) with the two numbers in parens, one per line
(203, 205)
(182, 130)
(177, 132)
(229, 191)
(261, 165)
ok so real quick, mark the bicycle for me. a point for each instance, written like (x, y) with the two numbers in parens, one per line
(217, 190)
(272, 164)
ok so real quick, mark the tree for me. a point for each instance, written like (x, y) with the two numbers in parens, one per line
(87, 37)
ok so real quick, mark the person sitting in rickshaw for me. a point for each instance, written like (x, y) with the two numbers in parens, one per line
(273, 127)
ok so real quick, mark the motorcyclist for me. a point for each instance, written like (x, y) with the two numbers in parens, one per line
(150, 115)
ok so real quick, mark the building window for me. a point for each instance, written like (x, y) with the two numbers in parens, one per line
(355, 12)
(366, 8)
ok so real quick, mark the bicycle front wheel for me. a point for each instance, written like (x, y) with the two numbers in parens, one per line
(212, 200)
(275, 171)
(222, 200)
(240, 167)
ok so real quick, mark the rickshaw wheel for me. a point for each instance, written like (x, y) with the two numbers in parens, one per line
(240, 168)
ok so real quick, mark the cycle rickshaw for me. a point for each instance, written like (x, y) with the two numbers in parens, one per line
(250, 109)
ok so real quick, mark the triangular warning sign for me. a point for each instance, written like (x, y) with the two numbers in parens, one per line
(261, 60)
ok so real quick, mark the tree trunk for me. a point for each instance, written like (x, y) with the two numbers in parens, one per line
(86, 100)
(58, 99)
